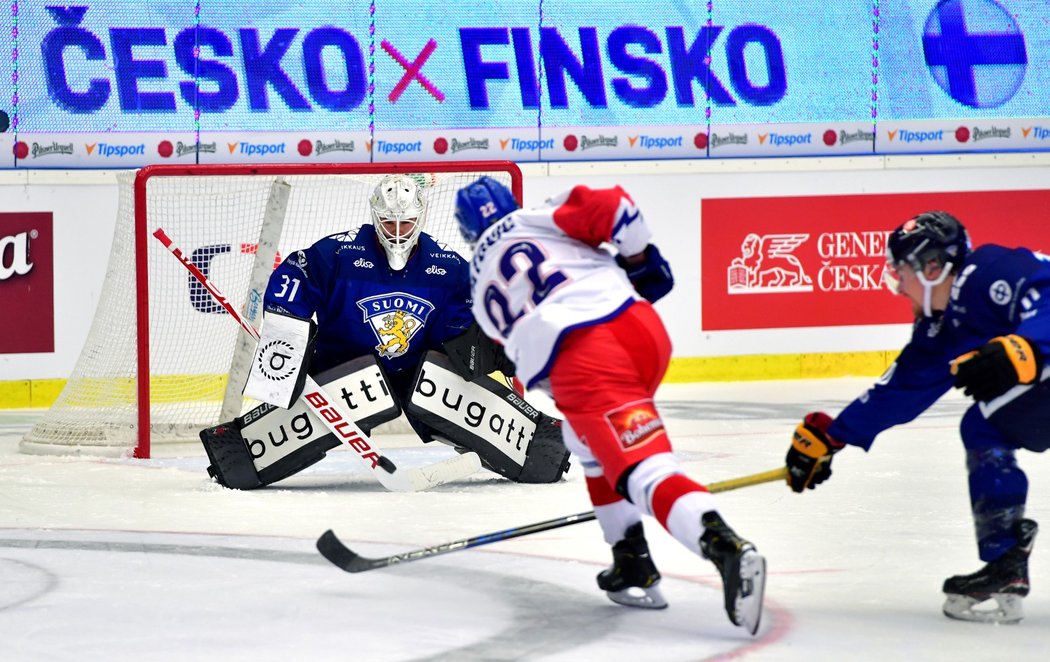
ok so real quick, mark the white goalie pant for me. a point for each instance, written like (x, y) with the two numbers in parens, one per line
(683, 520)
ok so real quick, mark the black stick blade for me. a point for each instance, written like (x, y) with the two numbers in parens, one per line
(342, 556)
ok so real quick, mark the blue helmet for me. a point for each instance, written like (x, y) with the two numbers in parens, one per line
(481, 204)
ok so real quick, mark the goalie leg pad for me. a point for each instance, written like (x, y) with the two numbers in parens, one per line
(548, 459)
(231, 462)
(511, 437)
(234, 462)
(268, 444)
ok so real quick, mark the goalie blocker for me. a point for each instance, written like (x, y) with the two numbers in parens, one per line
(268, 443)
(512, 438)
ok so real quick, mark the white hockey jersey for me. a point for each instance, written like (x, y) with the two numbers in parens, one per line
(538, 274)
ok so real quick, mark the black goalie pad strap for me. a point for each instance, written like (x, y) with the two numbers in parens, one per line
(278, 443)
(488, 418)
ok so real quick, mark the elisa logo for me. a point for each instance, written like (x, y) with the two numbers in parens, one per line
(975, 51)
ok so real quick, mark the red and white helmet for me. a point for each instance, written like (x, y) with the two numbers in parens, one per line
(399, 211)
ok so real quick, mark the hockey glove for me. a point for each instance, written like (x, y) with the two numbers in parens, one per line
(475, 355)
(809, 458)
(652, 277)
(995, 368)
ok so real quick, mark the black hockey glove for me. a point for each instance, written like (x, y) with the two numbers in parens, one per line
(996, 367)
(809, 458)
(475, 355)
(652, 277)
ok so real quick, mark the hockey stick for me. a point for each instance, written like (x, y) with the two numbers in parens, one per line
(345, 558)
(333, 413)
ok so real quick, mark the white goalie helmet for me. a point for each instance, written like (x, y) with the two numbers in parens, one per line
(399, 212)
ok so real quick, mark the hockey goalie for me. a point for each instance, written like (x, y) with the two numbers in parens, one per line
(380, 317)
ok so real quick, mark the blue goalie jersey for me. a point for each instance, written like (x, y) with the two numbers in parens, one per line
(363, 307)
(998, 291)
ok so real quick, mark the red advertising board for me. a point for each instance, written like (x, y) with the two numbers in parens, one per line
(27, 283)
(818, 260)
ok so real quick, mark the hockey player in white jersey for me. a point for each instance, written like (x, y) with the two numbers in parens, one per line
(567, 289)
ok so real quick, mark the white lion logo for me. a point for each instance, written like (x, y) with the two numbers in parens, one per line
(767, 265)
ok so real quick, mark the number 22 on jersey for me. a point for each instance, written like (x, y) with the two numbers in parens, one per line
(521, 287)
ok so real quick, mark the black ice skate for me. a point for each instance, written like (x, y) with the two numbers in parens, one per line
(1004, 581)
(742, 568)
(632, 579)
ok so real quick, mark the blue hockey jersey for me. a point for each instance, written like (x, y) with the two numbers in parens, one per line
(363, 307)
(998, 291)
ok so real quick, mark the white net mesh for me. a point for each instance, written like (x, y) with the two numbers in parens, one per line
(215, 219)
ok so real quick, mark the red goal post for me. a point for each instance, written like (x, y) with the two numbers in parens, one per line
(157, 362)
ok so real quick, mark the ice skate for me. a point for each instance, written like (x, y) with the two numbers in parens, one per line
(632, 579)
(994, 593)
(742, 568)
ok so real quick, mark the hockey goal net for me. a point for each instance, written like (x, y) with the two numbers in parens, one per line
(157, 363)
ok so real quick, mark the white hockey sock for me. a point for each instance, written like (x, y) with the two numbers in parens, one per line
(683, 521)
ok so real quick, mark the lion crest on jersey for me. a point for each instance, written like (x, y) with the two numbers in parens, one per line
(395, 318)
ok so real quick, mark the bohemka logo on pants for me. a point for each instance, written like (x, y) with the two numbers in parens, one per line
(635, 423)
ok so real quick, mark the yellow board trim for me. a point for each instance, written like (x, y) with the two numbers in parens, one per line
(28, 393)
(778, 366)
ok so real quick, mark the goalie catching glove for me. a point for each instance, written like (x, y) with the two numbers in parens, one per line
(651, 277)
(474, 355)
(809, 458)
(996, 367)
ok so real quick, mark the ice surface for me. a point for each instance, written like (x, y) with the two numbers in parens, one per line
(104, 559)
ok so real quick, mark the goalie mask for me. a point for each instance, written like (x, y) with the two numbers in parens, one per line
(935, 237)
(399, 211)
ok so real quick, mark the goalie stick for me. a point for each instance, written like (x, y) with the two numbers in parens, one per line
(335, 417)
(346, 559)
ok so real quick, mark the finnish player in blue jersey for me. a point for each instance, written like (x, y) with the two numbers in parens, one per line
(381, 316)
(982, 325)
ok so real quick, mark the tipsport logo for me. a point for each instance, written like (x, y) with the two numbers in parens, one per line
(975, 51)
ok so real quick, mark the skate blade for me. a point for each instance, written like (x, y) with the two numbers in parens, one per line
(998, 609)
(642, 598)
(747, 608)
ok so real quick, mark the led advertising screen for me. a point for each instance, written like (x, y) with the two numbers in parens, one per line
(229, 80)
